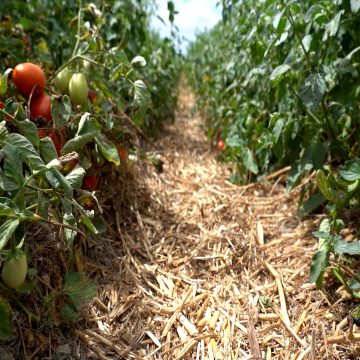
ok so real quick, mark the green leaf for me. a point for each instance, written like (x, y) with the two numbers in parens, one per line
(138, 61)
(29, 130)
(58, 180)
(61, 111)
(355, 6)
(3, 131)
(279, 70)
(342, 247)
(26, 150)
(311, 204)
(351, 170)
(43, 205)
(78, 142)
(313, 91)
(7, 229)
(5, 323)
(319, 262)
(141, 95)
(79, 289)
(324, 186)
(13, 164)
(75, 177)
(3, 86)
(249, 161)
(6, 183)
(8, 207)
(332, 27)
(47, 149)
(68, 313)
(108, 149)
(89, 225)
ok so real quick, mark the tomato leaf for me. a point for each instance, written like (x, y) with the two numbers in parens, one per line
(61, 111)
(7, 229)
(47, 149)
(351, 170)
(89, 225)
(78, 142)
(5, 323)
(58, 180)
(279, 70)
(6, 183)
(29, 130)
(355, 6)
(26, 150)
(108, 149)
(319, 262)
(75, 177)
(8, 207)
(313, 91)
(138, 61)
(141, 95)
(79, 289)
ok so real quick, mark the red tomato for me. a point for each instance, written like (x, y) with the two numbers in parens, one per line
(41, 107)
(89, 182)
(2, 105)
(220, 146)
(28, 75)
(123, 154)
(91, 95)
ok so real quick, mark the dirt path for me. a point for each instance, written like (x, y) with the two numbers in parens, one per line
(211, 270)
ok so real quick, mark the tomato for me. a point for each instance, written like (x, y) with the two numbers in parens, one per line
(91, 95)
(123, 154)
(78, 89)
(28, 75)
(62, 80)
(89, 182)
(41, 107)
(14, 271)
(58, 139)
(220, 146)
(2, 105)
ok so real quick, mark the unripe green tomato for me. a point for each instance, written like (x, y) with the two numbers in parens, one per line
(14, 271)
(62, 80)
(78, 89)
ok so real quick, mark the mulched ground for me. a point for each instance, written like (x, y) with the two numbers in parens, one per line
(194, 267)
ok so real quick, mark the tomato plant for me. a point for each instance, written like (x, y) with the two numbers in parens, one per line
(78, 89)
(14, 271)
(41, 107)
(27, 76)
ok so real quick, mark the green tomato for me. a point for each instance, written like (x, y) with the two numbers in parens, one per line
(14, 271)
(62, 80)
(78, 89)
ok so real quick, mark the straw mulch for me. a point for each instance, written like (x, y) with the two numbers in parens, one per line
(194, 267)
(210, 270)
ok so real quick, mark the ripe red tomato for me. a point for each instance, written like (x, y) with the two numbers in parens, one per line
(28, 75)
(78, 89)
(89, 182)
(123, 153)
(41, 107)
(58, 139)
(91, 95)
(220, 146)
(2, 105)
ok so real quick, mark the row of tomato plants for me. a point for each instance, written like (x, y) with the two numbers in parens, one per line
(278, 83)
(63, 127)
